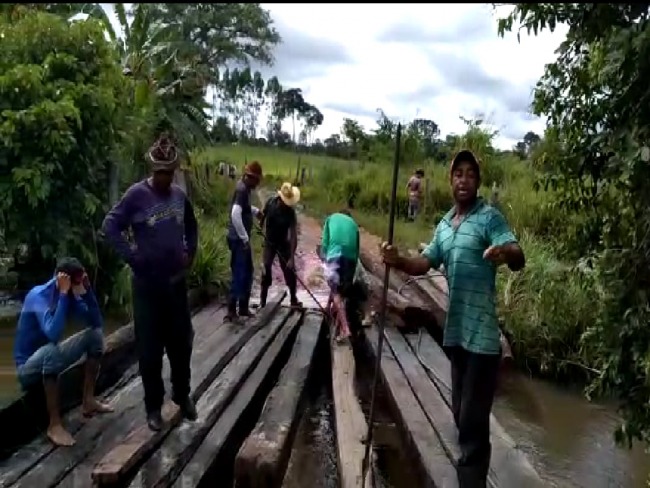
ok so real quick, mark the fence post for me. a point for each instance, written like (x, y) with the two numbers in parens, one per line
(426, 196)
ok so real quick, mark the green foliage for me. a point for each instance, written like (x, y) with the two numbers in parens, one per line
(59, 97)
(545, 309)
(594, 97)
(78, 112)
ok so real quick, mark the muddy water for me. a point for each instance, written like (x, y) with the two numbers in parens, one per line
(568, 439)
(313, 460)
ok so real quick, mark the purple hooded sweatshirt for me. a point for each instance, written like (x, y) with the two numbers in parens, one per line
(164, 228)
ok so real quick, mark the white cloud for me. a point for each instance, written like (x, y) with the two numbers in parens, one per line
(404, 59)
(436, 61)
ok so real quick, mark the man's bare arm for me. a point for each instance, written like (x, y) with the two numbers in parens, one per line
(413, 266)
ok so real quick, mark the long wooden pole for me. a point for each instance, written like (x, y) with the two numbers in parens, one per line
(382, 314)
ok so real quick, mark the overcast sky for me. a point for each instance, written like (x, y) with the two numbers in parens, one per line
(434, 61)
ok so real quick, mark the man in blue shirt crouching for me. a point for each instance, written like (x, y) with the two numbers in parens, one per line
(40, 357)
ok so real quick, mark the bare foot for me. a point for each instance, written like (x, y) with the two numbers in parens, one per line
(59, 436)
(93, 406)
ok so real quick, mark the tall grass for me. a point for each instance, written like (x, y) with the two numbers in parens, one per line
(275, 162)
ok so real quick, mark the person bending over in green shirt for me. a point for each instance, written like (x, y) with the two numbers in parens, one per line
(471, 240)
(340, 252)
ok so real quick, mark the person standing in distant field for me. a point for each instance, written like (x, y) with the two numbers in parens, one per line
(280, 226)
(240, 226)
(471, 240)
(414, 188)
(166, 236)
(339, 251)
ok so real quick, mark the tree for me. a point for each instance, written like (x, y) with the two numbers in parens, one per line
(291, 103)
(221, 32)
(354, 133)
(427, 132)
(594, 97)
(530, 139)
(61, 92)
(313, 120)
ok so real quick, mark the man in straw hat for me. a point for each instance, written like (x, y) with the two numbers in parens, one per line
(471, 240)
(166, 236)
(280, 227)
(239, 232)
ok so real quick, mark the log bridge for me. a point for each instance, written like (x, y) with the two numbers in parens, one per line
(249, 382)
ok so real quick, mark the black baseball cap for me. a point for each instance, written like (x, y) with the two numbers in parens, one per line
(70, 266)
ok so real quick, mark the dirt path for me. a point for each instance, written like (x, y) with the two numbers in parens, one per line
(309, 267)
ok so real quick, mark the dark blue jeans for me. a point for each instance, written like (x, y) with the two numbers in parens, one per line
(241, 268)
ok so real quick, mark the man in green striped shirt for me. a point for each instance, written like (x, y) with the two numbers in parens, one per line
(471, 240)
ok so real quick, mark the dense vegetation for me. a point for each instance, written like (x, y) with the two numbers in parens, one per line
(80, 104)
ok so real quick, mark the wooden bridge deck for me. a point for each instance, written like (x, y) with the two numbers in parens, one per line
(249, 383)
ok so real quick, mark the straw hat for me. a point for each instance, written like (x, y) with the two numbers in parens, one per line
(289, 194)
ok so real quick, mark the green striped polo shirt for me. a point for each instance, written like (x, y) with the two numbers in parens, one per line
(471, 319)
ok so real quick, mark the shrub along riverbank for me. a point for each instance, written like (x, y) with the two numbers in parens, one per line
(544, 310)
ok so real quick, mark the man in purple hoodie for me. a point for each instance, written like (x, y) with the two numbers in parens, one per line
(165, 240)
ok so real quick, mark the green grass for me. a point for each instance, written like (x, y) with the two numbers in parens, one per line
(277, 163)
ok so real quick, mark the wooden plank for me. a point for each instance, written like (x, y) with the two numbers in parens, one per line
(426, 393)
(167, 462)
(141, 441)
(199, 472)
(128, 422)
(264, 455)
(98, 433)
(29, 409)
(436, 470)
(351, 425)
(509, 466)
(37, 451)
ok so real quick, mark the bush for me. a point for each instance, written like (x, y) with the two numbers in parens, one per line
(545, 309)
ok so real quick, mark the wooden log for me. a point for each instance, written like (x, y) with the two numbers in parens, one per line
(166, 463)
(213, 336)
(435, 468)
(372, 264)
(264, 455)
(509, 466)
(351, 425)
(29, 408)
(141, 441)
(400, 311)
(97, 435)
(426, 393)
(203, 469)
(27, 457)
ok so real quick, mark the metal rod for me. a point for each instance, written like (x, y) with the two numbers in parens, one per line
(382, 316)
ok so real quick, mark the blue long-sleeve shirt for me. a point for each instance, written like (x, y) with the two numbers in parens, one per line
(164, 227)
(44, 315)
